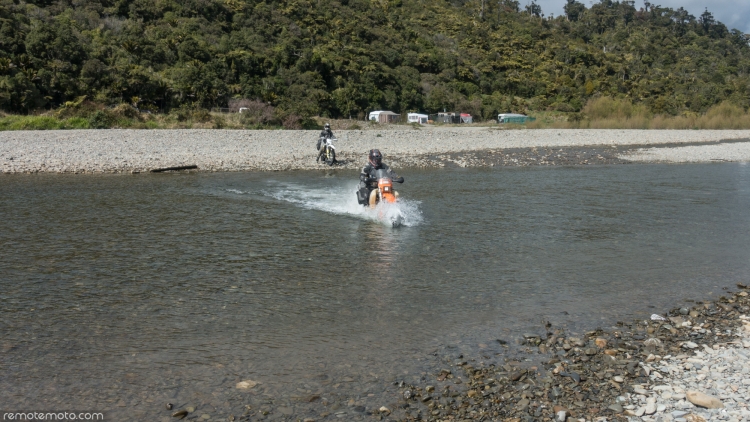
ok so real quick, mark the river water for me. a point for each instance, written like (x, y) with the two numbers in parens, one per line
(122, 293)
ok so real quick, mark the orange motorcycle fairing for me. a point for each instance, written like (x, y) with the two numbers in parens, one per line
(384, 192)
(387, 194)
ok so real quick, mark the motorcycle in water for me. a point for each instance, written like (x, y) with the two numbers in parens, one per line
(385, 194)
(329, 152)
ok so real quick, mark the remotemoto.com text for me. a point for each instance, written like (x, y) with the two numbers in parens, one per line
(52, 416)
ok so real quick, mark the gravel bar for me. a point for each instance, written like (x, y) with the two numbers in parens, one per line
(689, 364)
(131, 151)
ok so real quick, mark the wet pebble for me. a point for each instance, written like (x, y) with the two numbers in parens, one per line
(180, 414)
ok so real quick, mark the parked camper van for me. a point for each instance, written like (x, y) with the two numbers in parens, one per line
(417, 118)
(514, 118)
(383, 116)
(374, 115)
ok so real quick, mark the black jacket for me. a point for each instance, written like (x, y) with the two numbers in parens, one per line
(323, 135)
(368, 173)
(326, 133)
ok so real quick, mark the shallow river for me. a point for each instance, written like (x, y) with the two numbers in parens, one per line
(122, 293)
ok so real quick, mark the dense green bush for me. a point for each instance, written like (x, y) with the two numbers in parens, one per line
(344, 58)
(102, 119)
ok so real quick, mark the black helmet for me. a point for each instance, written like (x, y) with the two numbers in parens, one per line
(375, 157)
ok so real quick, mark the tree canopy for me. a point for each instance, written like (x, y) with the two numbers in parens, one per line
(342, 58)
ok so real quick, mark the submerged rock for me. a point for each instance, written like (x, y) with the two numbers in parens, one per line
(704, 400)
(246, 385)
(180, 414)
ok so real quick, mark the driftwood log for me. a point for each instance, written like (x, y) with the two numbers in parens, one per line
(174, 168)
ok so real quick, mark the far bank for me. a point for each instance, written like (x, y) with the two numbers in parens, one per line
(127, 150)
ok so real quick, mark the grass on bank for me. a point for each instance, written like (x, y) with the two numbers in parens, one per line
(146, 121)
(83, 114)
(599, 113)
(41, 123)
(609, 113)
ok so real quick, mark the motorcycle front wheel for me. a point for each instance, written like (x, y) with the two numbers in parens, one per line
(330, 156)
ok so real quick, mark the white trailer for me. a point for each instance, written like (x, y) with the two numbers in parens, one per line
(417, 118)
(374, 115)
(383, 116)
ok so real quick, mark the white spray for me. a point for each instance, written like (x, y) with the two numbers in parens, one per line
(342, 200)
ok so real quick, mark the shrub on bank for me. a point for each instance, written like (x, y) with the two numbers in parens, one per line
(102, 119)
(611, 113)
(607, 108)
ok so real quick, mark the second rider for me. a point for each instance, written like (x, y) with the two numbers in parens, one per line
(326, 133)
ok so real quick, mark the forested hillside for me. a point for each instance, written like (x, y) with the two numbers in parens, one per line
(343, 58)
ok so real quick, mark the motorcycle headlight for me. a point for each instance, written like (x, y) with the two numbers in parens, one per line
(386, 188)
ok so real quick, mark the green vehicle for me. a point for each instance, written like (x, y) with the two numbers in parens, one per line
(514, 118)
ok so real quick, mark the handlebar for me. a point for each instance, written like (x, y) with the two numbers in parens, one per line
(375, 179)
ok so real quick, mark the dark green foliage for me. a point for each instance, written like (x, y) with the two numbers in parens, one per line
(342, 58)
(574, 10)
(102, 119)
(190, 113)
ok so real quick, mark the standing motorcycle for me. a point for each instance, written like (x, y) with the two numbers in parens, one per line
(329, 152)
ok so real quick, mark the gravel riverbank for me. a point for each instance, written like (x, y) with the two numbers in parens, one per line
(690, 364)
(127, 151)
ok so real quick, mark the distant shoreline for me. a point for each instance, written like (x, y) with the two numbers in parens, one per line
(139, 151)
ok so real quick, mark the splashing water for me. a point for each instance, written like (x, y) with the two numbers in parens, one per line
(343, 200)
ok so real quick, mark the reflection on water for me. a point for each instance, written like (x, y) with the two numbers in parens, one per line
(121, 293)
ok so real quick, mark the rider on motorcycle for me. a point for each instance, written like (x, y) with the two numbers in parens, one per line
(367, 180)
(321, 145)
